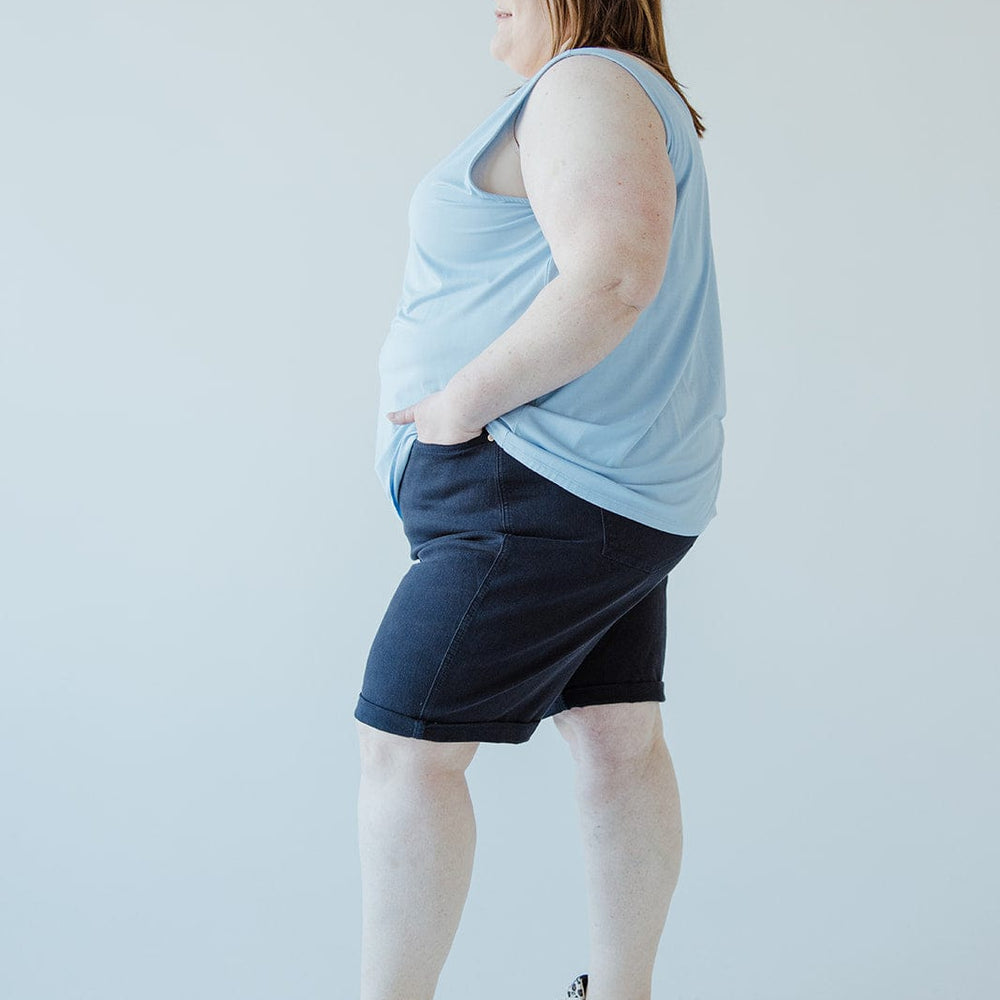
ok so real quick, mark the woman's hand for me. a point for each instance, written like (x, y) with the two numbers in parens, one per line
(436, 419)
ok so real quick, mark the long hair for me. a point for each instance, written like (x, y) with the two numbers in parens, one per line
(634, 26)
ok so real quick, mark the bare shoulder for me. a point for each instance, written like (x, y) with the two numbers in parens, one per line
(589, 87)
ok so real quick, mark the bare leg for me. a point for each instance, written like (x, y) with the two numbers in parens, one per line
(417, 837)
(631, 826)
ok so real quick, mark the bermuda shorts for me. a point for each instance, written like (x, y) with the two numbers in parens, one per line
(523, 600)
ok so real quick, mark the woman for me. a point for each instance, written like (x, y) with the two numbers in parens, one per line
(554, 373)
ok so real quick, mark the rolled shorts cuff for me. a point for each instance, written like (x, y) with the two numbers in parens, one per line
(608, 694)
(443, 732)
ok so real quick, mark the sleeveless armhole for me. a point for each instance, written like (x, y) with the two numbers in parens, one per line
(508, 120)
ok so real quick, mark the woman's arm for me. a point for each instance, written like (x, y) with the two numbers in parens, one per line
(598, 178)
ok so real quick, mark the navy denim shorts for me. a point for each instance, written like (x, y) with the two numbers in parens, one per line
(524, 600)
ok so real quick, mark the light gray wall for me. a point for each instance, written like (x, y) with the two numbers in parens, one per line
(202, 234)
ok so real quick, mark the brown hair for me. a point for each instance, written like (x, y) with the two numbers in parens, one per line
(634, 26)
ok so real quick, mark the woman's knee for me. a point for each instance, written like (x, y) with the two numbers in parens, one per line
(382, 752)
(611, 735)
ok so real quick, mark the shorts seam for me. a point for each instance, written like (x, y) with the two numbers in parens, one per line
(498, 476)
(463, 624)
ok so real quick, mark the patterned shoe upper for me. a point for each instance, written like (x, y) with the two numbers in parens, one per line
(578, 988)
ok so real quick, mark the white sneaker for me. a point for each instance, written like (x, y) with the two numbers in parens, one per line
(578, 988)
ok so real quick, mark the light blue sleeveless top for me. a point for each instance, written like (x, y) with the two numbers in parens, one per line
(640, 433)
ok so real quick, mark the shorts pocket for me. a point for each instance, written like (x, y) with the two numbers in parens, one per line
(458, 446)
(447, 489)
(641, 546)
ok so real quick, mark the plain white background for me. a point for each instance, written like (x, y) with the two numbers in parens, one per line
(202, 235)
